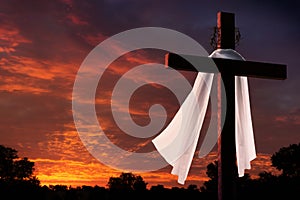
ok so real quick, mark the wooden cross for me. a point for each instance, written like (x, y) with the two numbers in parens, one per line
(227, 69)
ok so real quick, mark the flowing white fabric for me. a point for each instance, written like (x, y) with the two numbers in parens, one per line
(177, 142)
(244, 137)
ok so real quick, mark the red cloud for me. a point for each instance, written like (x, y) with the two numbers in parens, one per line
(76, 20)
(10, 37)
(293, 117)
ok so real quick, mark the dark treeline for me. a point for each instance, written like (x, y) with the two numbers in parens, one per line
(18, 182)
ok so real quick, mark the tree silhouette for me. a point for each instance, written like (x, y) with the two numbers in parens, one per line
(287, 159)
(212, 184)
(192, 187)
(13, 168)
(127, 181)
(7, 157)
(139, 184)
(157, 188)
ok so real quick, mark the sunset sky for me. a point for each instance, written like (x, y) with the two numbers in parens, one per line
(43, 43)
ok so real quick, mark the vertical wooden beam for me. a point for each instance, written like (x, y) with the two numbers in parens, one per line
(226, 30)
(227, 168)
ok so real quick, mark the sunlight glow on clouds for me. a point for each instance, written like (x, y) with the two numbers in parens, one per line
(10, 37)
(91, 172)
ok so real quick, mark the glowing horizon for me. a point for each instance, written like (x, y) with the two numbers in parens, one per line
(74, 173)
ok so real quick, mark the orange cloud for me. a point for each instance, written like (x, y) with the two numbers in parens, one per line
(76, 173)
(36, 68)
(10, 37)
(72, 172)
(22, 88)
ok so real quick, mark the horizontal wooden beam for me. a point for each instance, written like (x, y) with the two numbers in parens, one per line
(228, 66)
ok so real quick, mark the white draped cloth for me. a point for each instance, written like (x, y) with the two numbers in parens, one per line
(177, 142)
